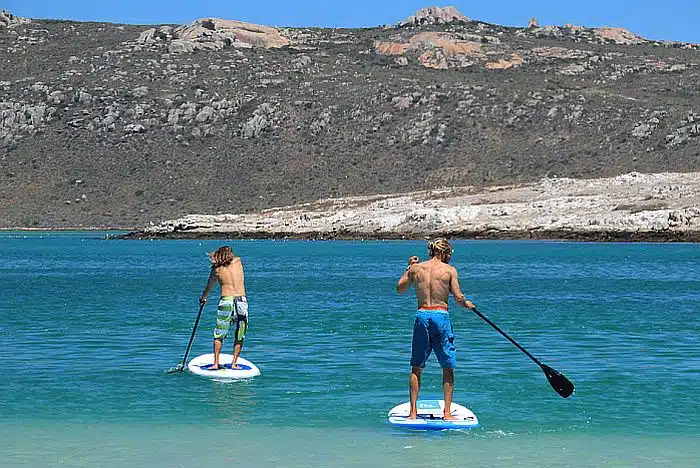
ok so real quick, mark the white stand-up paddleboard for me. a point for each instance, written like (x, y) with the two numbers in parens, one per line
(201, 364)
(430, 413)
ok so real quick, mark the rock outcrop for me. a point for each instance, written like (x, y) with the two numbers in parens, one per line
(484, 46)
(631, 206)
(603, 35)
(214, 34)
(435, 15)
(619, 36)
(9, 20)
(435, 49)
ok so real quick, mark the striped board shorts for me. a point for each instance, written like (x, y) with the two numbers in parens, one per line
(231, 313)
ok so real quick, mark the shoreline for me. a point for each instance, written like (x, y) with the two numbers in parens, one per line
(634, 207)
(63, 229)
(656, 237)
(553, 236)
(488, 235)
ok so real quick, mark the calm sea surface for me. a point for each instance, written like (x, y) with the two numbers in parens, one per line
(88, 327)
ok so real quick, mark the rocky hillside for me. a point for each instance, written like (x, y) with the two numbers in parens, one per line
(105, 125)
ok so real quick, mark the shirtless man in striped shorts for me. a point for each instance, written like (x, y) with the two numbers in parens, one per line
(232, 313)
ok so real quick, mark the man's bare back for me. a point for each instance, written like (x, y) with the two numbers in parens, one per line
(434, 280)
(230, 278)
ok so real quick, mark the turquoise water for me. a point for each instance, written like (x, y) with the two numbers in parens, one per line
(90, 325)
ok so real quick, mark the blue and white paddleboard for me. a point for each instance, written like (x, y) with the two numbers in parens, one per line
(430, 413)
(201, 366)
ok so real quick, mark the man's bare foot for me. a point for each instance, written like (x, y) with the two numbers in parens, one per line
(412, 416)
(448, 417)
(214, 367)
(236, 367)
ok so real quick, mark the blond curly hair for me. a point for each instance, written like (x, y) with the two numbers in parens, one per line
(439, 246)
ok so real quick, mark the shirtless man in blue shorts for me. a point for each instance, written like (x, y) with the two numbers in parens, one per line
(434, 280)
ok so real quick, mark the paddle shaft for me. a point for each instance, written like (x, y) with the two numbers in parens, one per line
(194, 330)
(506, 336)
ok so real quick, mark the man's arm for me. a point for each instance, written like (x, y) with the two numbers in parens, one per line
(407, 277)
(457, 292)
(210, 284)
(405, 281)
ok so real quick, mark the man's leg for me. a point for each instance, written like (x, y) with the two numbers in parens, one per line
(413, 390)
(448, 385)
(224, 314)
(241, 326)
(217, 350)
(445, 352)
(237, 346)
(420, 351)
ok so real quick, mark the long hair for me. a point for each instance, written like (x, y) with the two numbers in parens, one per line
(222, 257)
(439, 246)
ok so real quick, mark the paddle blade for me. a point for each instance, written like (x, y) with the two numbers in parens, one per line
(178, 368)
(559, 383)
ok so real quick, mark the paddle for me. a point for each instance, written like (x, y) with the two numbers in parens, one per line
(559, 383)
(181, 367)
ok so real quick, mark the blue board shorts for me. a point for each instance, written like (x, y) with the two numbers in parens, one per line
(432, 330)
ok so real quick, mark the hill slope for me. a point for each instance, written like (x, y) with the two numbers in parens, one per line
(105, 125)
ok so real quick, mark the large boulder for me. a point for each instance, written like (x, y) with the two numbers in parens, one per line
(212, 34)
(154, 36)
(9, 20)
(215, 33)
(619, 36)
(435, 15)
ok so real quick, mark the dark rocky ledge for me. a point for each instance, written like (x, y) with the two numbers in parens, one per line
(570, 236)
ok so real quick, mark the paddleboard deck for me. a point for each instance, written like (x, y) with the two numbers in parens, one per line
(430, 416)
(201, 365)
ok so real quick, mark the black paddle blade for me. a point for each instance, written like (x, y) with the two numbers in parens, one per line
(178, 368)
(559, 383)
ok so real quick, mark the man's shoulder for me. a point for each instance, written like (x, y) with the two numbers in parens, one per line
(452, 270)
(421, 265)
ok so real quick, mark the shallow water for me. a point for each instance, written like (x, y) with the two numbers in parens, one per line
(89, 326)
